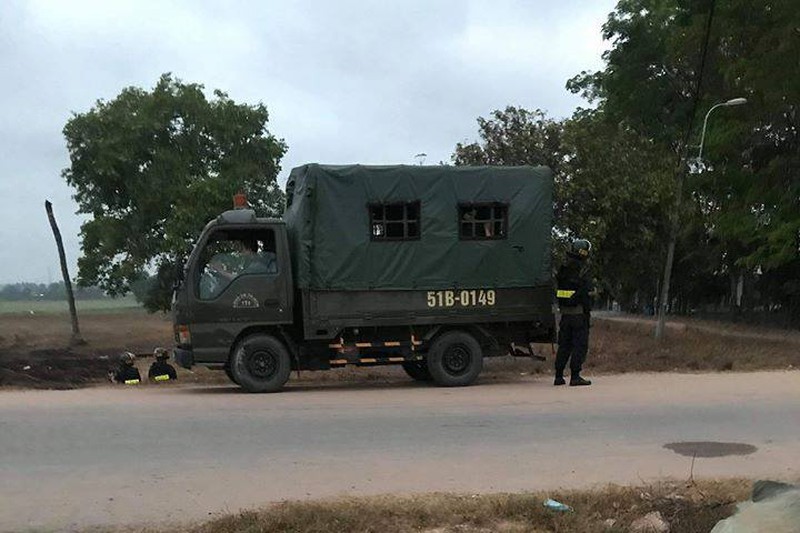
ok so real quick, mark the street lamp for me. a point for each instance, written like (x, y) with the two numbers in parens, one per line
(662, 304)
(729, 103)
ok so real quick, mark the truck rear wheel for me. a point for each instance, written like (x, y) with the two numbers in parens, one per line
(417, 370)
(261, 363)
(455, 359)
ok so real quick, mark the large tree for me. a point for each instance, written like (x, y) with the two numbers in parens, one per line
(614, 190)
(152, 167)
(610, 187)
(743, 217)
(513, 136)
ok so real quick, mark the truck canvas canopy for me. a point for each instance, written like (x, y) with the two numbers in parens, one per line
(406, 227)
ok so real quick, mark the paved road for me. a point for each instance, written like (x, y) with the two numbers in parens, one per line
(124, 456)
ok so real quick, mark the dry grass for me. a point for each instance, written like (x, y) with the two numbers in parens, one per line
(104, 332)
(630, 347)
(687, 507)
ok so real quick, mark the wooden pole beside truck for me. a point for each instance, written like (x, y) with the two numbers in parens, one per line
(73, 313)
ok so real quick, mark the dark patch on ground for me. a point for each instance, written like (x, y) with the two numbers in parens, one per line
(710, 449)
(52, 369)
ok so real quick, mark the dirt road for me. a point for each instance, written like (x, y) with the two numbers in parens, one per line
(725, 329)
(123, 456)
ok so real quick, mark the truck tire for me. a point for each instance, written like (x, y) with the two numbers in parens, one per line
(455, 359)
(230, 374)
(417, 370)
(261, 363)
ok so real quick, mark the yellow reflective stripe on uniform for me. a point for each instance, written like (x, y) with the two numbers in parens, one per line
(165, 377)
(561, 293)
(131, 382)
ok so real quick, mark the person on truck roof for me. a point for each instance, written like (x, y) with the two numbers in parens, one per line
(574, 292)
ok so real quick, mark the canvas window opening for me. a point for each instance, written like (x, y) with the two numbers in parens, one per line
(398, 221)
(483, 221)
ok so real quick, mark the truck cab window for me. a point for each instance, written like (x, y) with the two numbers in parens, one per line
(397, 221)
(483, 221)
(230, 254)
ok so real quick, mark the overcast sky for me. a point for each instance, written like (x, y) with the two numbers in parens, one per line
(344, 81)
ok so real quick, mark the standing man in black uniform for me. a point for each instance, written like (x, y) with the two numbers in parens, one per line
(574, 292)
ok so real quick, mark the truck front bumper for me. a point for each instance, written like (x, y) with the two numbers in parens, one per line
(183, 357)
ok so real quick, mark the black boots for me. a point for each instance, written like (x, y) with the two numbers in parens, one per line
(573, 382)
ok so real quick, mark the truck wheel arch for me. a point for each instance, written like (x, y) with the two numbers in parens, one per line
(455, 358)
(274, 331)
(483, 336)
(260, 363)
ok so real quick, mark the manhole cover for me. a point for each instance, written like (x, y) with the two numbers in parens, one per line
(710, 449)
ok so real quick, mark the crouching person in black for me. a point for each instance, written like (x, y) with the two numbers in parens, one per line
(574, 293)
(126, 373)
(160, 370)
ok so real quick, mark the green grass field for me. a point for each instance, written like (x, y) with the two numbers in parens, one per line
(59, 307)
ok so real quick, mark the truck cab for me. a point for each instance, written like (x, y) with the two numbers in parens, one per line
(237, 277)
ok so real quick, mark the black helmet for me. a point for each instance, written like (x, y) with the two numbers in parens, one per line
(161, 354)
(580, 248)
(127, 358)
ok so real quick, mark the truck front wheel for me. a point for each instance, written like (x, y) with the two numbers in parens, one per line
(455, 359)
(229, 373)
(261, 363)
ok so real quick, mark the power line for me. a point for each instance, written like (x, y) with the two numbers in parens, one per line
(680, 172)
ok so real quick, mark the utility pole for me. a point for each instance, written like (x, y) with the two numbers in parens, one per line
(674, 226)
(76, 332)
(674, 218)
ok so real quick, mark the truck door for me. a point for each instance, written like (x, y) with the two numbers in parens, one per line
(239, 278)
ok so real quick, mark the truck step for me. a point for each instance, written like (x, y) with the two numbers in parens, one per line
(375, 344)
(374, 361)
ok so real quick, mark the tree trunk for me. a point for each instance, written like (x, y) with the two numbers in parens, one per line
(674, 226)
(76, 332)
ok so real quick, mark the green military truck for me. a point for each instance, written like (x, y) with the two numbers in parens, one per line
(429, 267)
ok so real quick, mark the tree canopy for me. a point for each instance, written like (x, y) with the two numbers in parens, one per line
(615, 164)
(152, 167)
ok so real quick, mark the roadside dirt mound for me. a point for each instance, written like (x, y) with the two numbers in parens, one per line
(51, 369)
(35, 350)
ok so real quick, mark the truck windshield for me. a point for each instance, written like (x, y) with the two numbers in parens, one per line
(230, 254)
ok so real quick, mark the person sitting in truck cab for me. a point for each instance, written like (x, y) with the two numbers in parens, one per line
(255, 260)
(235, 257)
(160, 370)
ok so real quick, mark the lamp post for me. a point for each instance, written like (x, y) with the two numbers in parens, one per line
(662, 303)
(729, 103)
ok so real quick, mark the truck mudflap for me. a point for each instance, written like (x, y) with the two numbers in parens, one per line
(183, 357)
